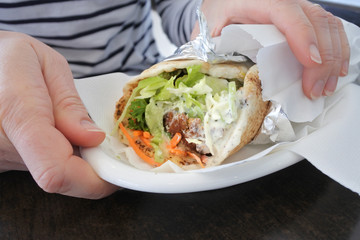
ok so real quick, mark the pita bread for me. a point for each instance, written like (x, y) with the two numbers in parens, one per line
(237, 135)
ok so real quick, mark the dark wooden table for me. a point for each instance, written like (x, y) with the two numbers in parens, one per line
(298, 202)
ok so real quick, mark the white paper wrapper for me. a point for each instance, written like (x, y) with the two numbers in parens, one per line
(280, 72)
(325, 132)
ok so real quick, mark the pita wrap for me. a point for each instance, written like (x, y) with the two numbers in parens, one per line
(190, 112)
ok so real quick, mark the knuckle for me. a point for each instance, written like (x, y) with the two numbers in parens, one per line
(317, 14)
(59, 59)
(328, 56)
(346, 48)
(99, 195)
(317, 10)
(332, 22)
(10, 108)
(331, 60)
(339, 24)
(18, 114)
(70, 103)
(337, 57)
(331, 17)
(50, 179)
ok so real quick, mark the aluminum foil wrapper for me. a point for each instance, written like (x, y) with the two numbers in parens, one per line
(202, 47)
(276, 126)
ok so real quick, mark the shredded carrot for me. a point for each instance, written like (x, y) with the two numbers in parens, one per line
(146, 135)
(146, 141)
(177, 152)
(175, 140)
(196, 158)
(140, 153)
(137, 133)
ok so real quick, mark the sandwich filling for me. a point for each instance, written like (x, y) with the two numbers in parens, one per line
(184, 113)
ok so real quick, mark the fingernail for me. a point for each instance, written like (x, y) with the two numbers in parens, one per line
(330, 86)
(315, 54)
(317, 89)
(90, 126)
(345, 68)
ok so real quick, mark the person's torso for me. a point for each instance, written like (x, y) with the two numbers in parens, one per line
(95, 36)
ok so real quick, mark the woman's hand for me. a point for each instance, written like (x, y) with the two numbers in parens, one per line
(316, 37)
(41, 116)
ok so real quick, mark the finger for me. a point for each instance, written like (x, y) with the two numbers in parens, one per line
(71, 117)
(292, 21)
(289, 17)
(345, 48)
(213, 11)
(335, 69)
(52, 164)
(316, 78)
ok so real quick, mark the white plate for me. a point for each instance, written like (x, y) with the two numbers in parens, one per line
(99, 95)
(120, 174)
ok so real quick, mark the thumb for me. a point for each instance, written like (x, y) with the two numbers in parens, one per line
(71, 117)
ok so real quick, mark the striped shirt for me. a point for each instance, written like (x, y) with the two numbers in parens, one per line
(100, 36)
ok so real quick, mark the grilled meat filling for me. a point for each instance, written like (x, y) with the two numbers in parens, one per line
(191, 129)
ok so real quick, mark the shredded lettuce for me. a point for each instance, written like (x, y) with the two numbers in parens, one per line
(164, 93)
(193, 75)
(151, 81)
(154, 118)
(217, 84)
(151, 86)
(200, 88)
(194, 108)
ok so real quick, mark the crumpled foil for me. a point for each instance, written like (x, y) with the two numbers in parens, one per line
(276, 126)
(203, 48)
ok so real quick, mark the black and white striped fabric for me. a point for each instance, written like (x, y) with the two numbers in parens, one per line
(100, 36)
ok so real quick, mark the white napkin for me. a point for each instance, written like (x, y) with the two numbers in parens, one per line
(279, 70)
(326, 130)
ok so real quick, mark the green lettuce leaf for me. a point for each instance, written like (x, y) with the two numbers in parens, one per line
(193, 75)
(217, 84)
(137, 113)
(154, 119)
(164, 93)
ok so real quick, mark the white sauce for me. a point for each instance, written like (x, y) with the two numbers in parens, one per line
(219, 119)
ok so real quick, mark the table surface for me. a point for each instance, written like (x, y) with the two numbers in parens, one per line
(298, 202)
